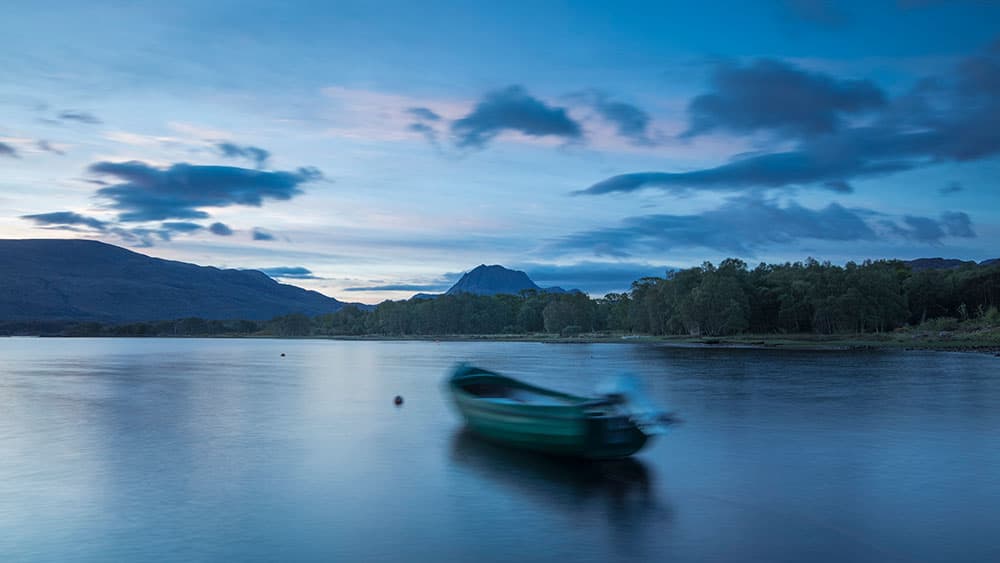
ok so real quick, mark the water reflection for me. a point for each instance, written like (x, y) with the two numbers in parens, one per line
(622, 491)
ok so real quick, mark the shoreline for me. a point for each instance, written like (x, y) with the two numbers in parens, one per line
(983, 342)
(800, 342)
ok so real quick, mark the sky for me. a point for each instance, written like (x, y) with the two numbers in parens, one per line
(371, 150)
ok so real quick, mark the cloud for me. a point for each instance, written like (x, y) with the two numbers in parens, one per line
(256, 155)
(772, 170)
(952, 188)
(401, 287)
(260, 234)
(8, 150)
(427, 131)
(595, 278)
(839, 186)
(220, 229)
(771, 95)
(140, 236)
(953, 118)
(439, 285)
(423, 113)
(80, 117)
(290, 272)
(630, 121)
(931, 231)
(47, 147)
(148, 193)
(921, 229)
(512, 109)
(181, 227)
(135, 236)
(957, 224)
(744, 224)
(65, 218)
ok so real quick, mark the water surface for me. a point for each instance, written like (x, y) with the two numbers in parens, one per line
(211, 450)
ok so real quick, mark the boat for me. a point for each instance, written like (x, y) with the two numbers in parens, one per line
(617, 423)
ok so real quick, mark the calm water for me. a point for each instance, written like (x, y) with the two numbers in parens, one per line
(210, 450)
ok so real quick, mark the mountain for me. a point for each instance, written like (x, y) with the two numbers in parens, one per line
(494, 280)
(491, 280)
(92, 281)
(921, 264)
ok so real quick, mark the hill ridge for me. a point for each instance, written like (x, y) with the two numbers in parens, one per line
(88, 280)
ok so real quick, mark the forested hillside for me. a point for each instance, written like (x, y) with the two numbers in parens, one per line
(710, 300)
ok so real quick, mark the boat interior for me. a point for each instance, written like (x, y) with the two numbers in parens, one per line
(499, 393)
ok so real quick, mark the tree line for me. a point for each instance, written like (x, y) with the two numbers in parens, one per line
(708, 300)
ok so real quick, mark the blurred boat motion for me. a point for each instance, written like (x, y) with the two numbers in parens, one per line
(615, 423)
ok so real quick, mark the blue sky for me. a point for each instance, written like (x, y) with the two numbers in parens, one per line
(373, 149)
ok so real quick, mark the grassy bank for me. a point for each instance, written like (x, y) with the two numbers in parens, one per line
(985, 340)
(945, 335)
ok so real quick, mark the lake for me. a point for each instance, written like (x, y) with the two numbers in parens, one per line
(225, 450)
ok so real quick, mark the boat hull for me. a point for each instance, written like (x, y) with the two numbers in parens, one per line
(569, 429)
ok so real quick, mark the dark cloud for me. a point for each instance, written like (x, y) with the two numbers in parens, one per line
(8, 150)
(771, 95)
(767, 170)
(955, 118)
(220, 229)
(65, 218)
(839, 186)
(952, 188)
(424, 113)
(921, 229)
(744, 224)
(47, 147)
(931, 231)
(80, 117)
(630, 121)
(290, 272)
(140, 236)
(147, 193)
(256, 155)
(513, 109)
(957, 224)
(260, 234)
(181, 227)
(824, 13)
(427, 131)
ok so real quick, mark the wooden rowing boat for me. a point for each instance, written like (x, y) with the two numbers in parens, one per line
(511, 412)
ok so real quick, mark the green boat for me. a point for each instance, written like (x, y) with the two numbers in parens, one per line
(511, 412)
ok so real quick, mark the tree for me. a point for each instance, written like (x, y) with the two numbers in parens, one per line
(558, 315)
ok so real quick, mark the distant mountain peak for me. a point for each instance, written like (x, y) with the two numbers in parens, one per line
(495, 279)
(492, 280)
